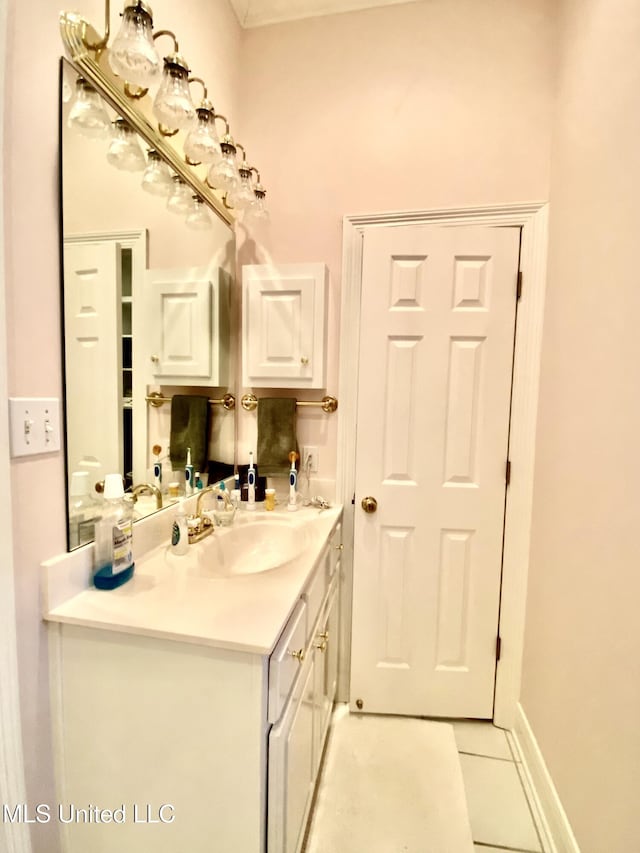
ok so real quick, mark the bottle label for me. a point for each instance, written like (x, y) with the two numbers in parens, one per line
(175, 533)
(122, 545)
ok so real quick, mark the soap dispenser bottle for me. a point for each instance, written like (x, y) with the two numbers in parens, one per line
(180, 532)
(113, 547)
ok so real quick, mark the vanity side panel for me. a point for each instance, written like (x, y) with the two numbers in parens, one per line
(146, 722)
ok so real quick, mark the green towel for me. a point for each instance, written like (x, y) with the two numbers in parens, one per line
(276, 435)
(189, 428)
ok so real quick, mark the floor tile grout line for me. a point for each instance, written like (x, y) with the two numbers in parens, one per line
(482, 755)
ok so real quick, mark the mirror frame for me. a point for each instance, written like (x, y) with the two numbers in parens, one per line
(75, 32)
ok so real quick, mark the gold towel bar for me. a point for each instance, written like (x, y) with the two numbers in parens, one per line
(156, 399)
(329, 404)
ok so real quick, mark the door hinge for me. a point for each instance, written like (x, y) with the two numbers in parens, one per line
(519, 285)
(498, 647)
(508, 472)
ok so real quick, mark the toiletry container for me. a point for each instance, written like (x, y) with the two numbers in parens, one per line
(180, 532)
(84, 510)
(114, 537)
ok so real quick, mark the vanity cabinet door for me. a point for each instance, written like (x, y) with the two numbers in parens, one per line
(326, 674)
(291, 775)
(284, 312)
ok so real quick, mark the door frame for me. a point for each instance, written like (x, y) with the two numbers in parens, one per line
(532, 218)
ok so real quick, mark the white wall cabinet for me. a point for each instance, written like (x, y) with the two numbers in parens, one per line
(226, 743)
(187, 327)
(284, 325)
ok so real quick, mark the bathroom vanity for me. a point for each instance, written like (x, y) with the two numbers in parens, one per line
(191, 705)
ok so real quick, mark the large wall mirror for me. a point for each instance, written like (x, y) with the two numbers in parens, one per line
(148, 306)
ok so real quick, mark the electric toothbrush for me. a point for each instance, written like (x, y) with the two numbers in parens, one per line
(188, 475)
(251, 483)
(292, 506)
(157, 466)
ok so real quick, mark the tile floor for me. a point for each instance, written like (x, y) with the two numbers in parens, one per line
(501, 816)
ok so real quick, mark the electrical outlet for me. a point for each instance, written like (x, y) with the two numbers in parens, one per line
(34, 425)
(309, 453)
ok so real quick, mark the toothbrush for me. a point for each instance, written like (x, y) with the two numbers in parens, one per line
(157, 466)
(292, 506)
(251, 480)
(188, 474)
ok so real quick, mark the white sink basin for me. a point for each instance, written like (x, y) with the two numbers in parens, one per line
(246, 549)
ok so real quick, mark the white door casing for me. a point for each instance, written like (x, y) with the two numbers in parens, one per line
(532, 217)
(433, 417)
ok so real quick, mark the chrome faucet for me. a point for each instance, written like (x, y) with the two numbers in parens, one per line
(147, 488)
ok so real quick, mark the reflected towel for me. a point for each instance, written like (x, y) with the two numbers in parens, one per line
(189, 428)
(276, 434)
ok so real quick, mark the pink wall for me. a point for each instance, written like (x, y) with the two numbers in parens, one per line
(33, 297)
(581, 676)
(423, 105)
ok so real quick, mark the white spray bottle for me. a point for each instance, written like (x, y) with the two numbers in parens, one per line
(292, 505)
(251, 484)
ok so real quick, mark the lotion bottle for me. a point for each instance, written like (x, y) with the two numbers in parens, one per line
(251, 482)
(180, 532)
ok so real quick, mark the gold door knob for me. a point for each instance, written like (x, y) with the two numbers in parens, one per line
(369, 504)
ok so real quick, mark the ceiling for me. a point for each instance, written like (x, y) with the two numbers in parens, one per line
(258, 13)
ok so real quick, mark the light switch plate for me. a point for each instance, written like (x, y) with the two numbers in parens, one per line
(34, 425)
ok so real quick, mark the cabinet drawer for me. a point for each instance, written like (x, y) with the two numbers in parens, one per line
(286, 660)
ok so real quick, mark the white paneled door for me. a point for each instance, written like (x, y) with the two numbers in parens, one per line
(435, 366)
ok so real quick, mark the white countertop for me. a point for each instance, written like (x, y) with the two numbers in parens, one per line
(174, 598)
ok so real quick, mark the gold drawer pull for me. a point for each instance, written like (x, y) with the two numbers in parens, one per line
(339, 547)
(299, 654)
(324, 637)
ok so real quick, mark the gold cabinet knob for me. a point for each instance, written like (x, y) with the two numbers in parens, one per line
(155, 359)
(369, 504)
(304, 360)
(339, 547)
(299, 654)
(324, 639)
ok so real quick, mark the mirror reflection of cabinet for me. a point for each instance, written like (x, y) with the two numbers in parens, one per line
(188, 331)
(284, 325)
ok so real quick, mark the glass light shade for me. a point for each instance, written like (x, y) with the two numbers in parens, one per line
(87, 114)
(202, 144)
(257, 211)
(198, 217)
(157, 178)
(124, 151)
(173, 106)
(224, 175)
(180, 199)
(242, 195)
(133, 55)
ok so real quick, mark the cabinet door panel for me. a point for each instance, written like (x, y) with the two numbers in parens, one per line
(182, 314)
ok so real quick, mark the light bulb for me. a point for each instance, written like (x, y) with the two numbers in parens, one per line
(242, 195)
(202, 144)
(224, 175)
(257, 211)
(180, 199)
(157, 178)
(173, 106)
(133, 55)
(124, 151)
(88, 115)
(198, 217)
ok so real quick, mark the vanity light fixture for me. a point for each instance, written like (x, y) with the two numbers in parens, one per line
(202, 144)
(173, 106)
(88, 115)
(180, 199)
(224, 174)
(257, 210)
(133, 55)
(124, 151)
(157, 178)
(198, 217)
(242, 194)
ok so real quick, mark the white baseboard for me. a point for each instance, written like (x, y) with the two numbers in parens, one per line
(557, 835)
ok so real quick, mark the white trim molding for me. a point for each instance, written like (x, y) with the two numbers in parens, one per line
(551, 817)
(532, 218)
